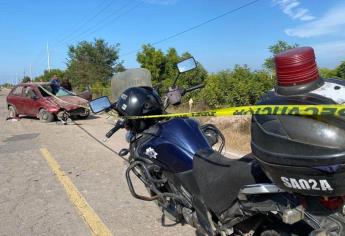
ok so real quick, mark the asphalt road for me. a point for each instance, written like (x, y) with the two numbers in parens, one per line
(57, 180)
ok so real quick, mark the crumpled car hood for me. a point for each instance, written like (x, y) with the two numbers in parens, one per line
(68, 102)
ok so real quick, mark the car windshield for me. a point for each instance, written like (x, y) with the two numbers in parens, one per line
(63, 92)
(47, 90)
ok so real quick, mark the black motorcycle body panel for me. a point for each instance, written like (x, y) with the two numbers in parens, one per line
(301, 154)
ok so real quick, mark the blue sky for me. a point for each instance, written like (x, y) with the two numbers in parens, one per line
(239, 38)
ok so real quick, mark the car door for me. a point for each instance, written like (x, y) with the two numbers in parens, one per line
(31, 101)
(15, 98)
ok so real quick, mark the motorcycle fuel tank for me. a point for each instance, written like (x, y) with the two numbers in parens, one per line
(174, 143)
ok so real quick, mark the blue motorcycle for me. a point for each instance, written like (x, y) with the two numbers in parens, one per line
(180, 163)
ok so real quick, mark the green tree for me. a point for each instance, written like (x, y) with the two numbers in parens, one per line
(163, 67)
(236, 87)
(341, 70)
(153, 60)
(213, 92)
(276, 48)
(6, 85)
(26, 79)
(91, 62)
(46, 76)
(328, 73)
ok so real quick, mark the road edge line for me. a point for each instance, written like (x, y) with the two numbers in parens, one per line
(89, 216)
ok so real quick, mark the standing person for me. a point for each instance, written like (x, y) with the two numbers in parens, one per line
(66, 84)
(190, 102)
(55, 84)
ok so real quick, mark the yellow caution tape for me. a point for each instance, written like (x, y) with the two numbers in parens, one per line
(303, 110)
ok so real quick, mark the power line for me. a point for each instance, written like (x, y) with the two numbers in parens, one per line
(48, 57)
(41, 55)
(118, 17)
(102, 26)
(88, 20)
(108, 19)
(195, 26)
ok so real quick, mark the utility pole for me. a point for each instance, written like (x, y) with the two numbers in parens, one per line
(48, 55)
(30, 71)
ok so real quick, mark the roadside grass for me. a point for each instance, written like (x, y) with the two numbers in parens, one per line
(236, 129)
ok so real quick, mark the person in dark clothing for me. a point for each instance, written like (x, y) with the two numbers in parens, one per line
(66, 84)
(55, 84)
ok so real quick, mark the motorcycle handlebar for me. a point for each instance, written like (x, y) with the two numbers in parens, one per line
(119, 125)
(193, 88)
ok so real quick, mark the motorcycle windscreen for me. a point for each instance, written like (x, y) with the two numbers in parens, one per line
(130, 78)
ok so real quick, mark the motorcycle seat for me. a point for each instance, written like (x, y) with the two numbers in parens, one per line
(220, 178)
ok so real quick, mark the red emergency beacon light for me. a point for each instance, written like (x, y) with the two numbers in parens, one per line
(296, 70)
(296, 66)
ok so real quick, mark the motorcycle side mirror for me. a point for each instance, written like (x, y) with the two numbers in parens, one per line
(186, 65)
(100, 104)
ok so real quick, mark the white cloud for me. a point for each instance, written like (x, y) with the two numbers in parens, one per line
(330, 54)
(330, 49)
(333, 22)
(292, 9)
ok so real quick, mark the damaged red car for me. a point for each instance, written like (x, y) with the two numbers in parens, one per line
(34, 99)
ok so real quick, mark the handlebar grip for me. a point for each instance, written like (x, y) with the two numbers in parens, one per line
(118, 126)
(112, 131)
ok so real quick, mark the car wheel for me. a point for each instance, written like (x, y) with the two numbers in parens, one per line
(12, 112)
(84, 116)
(45, 116)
